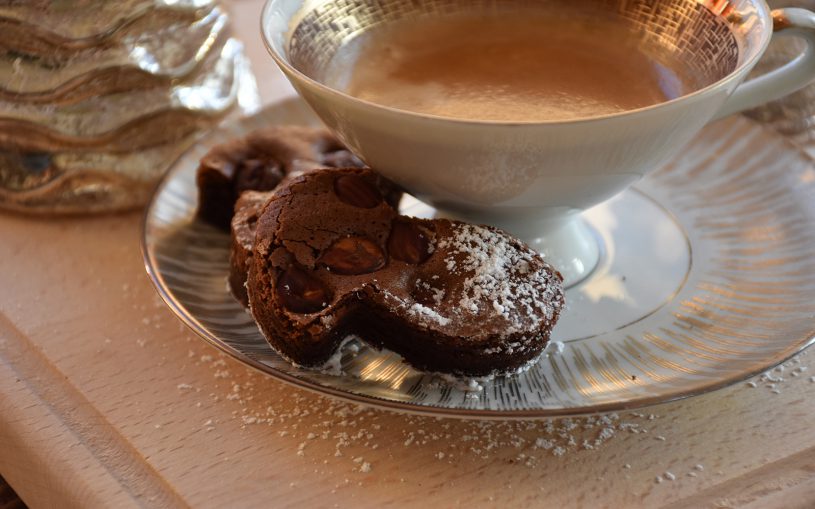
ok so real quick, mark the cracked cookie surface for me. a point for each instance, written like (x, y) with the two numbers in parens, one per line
(333, 258)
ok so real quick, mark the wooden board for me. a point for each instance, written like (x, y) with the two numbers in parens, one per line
(107, 400)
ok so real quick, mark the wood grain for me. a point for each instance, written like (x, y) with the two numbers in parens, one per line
(108, 401)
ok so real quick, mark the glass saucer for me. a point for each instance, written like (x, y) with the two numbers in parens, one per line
(706, 279)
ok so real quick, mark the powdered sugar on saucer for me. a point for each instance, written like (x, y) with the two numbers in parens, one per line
(333, 366)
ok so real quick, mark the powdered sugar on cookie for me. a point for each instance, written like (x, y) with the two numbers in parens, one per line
(502, 277)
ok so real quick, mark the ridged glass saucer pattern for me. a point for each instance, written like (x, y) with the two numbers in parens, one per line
(707, 279)
(97, 98)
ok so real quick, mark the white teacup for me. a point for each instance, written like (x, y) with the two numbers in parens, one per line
(534, 178)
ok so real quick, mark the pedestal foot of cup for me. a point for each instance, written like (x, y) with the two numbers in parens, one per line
(573, 249)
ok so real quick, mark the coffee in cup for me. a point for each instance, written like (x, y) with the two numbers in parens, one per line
(532, 178)
(521, 65)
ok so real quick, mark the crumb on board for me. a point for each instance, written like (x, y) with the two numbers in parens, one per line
(325, 430)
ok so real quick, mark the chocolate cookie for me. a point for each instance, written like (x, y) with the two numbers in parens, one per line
(247, 211)
(333, 258)
(259, 162)
(244, 221)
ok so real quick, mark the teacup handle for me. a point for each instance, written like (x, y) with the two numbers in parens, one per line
(786, 79)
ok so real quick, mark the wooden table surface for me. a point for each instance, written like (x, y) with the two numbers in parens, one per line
(106, 400)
